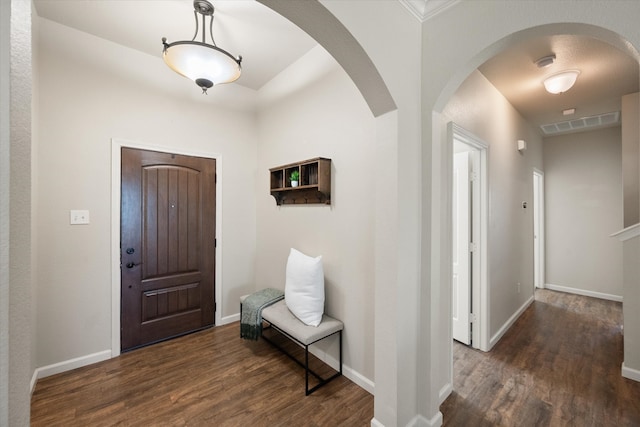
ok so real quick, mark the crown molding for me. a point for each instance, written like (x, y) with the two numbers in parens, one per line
(426, 9)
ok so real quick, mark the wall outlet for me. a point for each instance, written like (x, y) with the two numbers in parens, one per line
(77, 217)
(518, 287)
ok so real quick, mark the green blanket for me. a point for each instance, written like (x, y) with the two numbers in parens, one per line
(251, 316)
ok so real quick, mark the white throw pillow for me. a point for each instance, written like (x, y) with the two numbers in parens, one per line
(304, 287)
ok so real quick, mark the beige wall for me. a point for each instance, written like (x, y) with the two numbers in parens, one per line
(631, 158)
(478, 107)
(81, 107)
(583, 207)
(328, 119)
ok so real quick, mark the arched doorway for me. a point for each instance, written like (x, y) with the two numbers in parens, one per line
(441, 286)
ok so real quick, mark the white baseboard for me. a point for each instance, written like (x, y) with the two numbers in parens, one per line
(629, 373)
(445, 392)
(417, 421)
(420, 421)
(509, 323)
(353, 375)
(34, 380)
(68, 365)
(584, 292)
(230, 319)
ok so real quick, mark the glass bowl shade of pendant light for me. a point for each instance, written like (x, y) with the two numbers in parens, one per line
(206, 64)
(561, 82)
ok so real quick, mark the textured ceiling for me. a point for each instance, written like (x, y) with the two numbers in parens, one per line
(267, 42)
(605, 75)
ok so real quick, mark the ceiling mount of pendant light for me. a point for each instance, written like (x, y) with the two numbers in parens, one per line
(206, 64)
(561, 82)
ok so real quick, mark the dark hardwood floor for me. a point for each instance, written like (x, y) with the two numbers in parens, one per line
(558, 366)
(209, 378)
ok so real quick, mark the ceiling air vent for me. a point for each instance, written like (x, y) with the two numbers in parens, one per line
(581, 124)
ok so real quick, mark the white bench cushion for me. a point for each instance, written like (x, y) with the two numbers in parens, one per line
(279, 315)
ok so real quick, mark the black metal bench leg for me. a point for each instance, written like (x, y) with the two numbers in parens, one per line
(306, 370)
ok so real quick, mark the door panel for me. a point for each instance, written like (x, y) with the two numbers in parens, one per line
(168, 245)
(461, 256)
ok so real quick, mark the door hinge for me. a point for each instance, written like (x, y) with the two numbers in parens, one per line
(472, 247)
(473, 176)
(472, 318)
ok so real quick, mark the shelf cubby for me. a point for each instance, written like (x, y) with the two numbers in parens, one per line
(314, 185)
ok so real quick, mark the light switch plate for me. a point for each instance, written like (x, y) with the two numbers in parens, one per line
(77, 217)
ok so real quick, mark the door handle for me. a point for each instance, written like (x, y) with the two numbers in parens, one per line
(131, 265)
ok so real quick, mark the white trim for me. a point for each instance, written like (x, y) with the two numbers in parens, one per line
(34, 380)
(424, 10)
(541, 232)
(421, 421)
(358, 379)
(627, 233)
(629, 373)
(509, 323)
(229, 319)
(116, 146)
(350, 373)
(481, 290)
(67, 365)
(376, 423)
(584, 292)
(445, 392)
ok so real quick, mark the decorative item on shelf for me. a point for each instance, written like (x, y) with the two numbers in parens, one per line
(205, 64)
(294, 178)
(305, 182)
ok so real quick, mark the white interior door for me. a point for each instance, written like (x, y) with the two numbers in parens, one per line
(461, 282)
(538, 229)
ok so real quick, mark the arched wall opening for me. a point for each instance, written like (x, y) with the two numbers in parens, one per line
(441, 182)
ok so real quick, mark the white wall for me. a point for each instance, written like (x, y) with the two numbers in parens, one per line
(478, 107)
(81, 107)
(583, 192)
(327, 119)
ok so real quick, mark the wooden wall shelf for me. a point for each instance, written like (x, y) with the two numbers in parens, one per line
(314, 185)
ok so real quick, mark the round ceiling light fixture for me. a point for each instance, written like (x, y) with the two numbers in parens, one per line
(561, 82)
(206, 64)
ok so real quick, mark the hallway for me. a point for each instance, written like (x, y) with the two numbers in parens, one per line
(559, 365)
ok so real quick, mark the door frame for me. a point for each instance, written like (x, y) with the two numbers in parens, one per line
(539, 255)
(116, 160)
(480, 226)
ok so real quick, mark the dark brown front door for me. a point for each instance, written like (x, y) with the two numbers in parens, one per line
(167, 245)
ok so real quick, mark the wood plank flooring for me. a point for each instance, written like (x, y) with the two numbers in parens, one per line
(209, 378)
(559, 365)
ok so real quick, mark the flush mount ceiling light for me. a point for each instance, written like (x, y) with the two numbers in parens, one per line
(206, 64)
(561, 82)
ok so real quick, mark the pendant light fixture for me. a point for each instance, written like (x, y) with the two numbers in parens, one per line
(206, 64)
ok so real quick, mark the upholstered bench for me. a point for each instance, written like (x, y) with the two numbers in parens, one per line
(281, 319)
